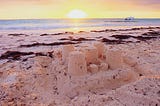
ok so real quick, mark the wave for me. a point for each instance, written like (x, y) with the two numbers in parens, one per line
(51, 24)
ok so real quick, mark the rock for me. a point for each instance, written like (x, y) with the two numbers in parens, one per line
(65, 52)
(100, 48)
(48, 44)
(93, 68)
(122, 36)
(14, 55)
(91, 55)
(114, 59)
(103, 67)
(77, 63)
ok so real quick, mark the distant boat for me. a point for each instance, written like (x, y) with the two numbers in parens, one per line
(129, 19)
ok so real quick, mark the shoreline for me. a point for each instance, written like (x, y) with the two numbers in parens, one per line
(76, 30)
(64, 38)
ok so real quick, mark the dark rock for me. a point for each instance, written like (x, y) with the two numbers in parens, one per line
(29, 67)
(144, 38)
(44, 34)
(17, 34)
(108, 41)
(121, 36)
(69, 33)
(14, 55)
(81, 31)
(152, 33)
(97, 31)
(106, 30)
(57, 34)
(64, 39)
(50, 54)
(78, 39)
(136, 28)
(48, 44)
(99, 37)
(82, 39)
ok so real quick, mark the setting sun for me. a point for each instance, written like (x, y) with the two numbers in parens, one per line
(76, 14)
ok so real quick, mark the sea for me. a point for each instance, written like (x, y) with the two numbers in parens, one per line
(59, 25)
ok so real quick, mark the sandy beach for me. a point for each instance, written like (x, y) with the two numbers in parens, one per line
(110, 67)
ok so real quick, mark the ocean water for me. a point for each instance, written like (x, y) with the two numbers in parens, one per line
(55, 25)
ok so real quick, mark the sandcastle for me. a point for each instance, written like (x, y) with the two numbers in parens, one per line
(89, 59)
(91, 54)
(114, 59)
(86, 60)
(91, 65)
(65, 52)
(77, 64)
(100, 48)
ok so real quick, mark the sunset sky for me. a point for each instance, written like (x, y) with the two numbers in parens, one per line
(24, 9)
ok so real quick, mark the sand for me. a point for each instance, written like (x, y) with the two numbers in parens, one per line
(97, 68)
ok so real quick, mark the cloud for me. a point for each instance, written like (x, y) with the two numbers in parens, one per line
(138, 2)
(149, 2)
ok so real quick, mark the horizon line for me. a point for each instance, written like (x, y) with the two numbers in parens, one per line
(70, 18)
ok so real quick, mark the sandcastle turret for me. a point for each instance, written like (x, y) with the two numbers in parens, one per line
(91, 55)
(77, 63)
(114, 58)
(66, 49)
(93, 68)
(100, 48)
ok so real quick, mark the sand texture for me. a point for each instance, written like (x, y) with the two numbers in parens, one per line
(97, 68)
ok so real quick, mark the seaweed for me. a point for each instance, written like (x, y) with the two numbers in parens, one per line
(108, 41)
(48, 44)
(61, 33)
(78, 39)
(16, 34)
(16, 55)
(143, 37)
(122, 36)
(152, 33)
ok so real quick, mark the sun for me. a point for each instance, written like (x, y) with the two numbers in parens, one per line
(76, 14)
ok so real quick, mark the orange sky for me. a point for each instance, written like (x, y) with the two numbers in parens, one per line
(24, 9)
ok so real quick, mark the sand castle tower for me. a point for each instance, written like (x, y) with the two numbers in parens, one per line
(77, 63)
(66, 49)
(114, 59)
(100, 48)
(91, 54)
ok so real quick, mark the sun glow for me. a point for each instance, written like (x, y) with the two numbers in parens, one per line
(76, 14)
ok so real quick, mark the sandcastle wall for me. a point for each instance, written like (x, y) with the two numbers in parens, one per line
(66, 49)
(91, 54)
(77, 63)
(100, 48)
(114, 58)
(89, 59)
